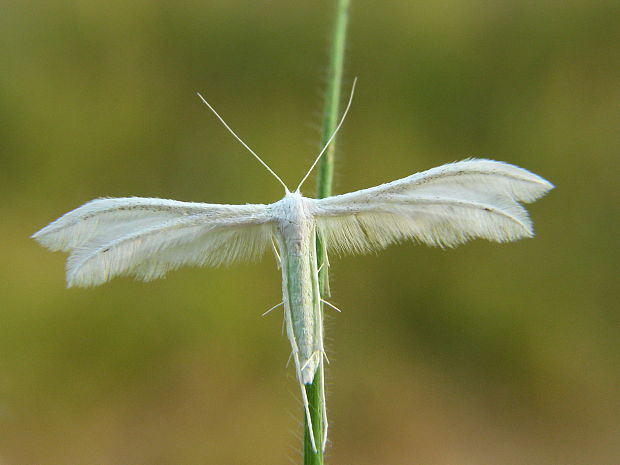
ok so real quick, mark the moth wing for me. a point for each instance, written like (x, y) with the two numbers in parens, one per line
(145, 237)
(444, 206)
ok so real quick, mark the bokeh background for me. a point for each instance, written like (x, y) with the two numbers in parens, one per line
(485, 354)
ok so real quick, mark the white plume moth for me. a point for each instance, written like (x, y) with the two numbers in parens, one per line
(146, 237)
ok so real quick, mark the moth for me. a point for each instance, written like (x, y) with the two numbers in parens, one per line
(147, 237)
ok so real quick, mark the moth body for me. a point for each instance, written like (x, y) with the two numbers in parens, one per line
(295, 235)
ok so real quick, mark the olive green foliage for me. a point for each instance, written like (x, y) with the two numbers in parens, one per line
(503, 354)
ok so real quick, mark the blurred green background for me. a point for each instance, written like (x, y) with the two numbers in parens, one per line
(486, 354)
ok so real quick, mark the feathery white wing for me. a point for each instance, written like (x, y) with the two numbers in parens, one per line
(147, 237)
(443, 206)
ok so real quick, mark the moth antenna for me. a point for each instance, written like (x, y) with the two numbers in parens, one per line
(344, 115)
(242, 143)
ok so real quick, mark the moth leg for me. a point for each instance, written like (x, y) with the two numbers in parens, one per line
(275, 252)
(304, 398)
(327, 289)
(322, 355)
(324, 410)
(295, 353)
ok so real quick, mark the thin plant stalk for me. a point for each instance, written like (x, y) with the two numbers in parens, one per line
(324, 189)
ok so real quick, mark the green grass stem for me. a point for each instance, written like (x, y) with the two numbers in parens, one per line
(324, 189)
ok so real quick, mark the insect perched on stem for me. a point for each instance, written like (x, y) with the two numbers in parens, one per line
(146, 237)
